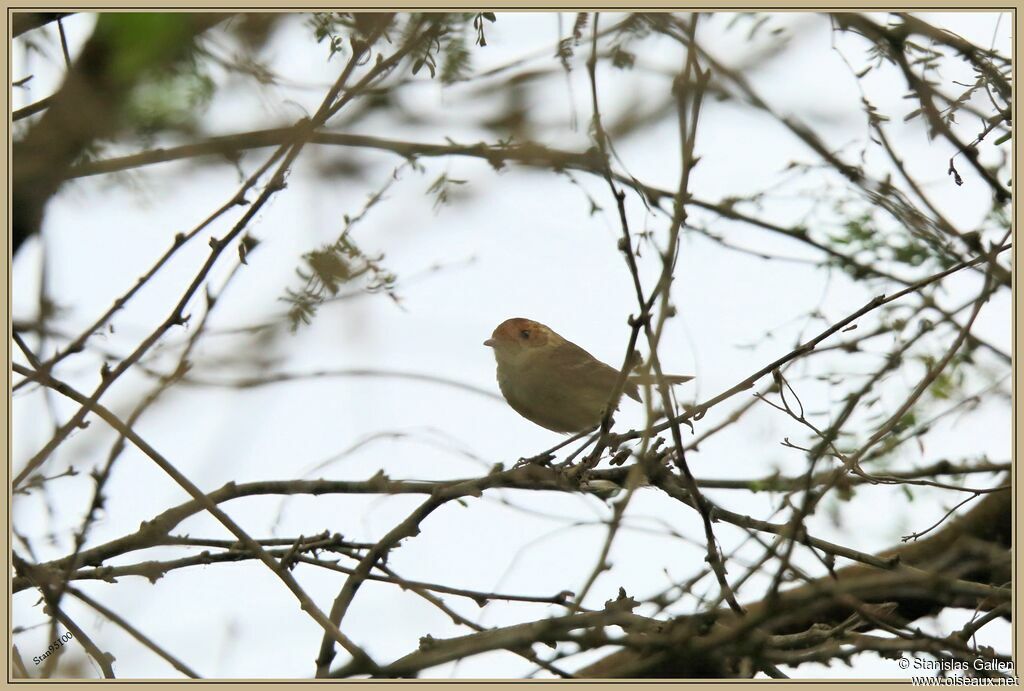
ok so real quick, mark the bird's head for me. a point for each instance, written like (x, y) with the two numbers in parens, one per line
(516, 339)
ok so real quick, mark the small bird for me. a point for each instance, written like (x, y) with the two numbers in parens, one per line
(553, 382)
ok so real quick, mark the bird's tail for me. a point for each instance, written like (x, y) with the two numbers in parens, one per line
(651, 379)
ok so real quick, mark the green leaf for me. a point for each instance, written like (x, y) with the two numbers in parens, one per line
(139, 41)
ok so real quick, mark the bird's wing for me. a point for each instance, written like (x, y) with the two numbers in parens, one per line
(577, 362)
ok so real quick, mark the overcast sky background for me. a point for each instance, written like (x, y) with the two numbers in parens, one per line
(514, 243)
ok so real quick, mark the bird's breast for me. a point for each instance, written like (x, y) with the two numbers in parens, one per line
(547, 399)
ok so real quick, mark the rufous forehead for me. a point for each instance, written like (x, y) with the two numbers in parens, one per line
(510, 328)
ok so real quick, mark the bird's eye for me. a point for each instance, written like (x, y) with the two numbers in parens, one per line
(524, 333)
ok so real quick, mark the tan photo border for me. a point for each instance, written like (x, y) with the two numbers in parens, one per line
(504, 5)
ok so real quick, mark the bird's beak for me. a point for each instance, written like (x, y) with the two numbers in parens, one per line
(490, 343)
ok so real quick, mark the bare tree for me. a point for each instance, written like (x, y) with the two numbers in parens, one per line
(862, 396)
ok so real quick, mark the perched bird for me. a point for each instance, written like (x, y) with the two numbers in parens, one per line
(553, 382)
